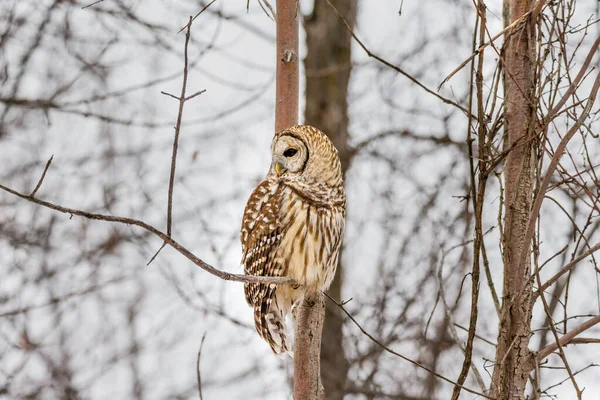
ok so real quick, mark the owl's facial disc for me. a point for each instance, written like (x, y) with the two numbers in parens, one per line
(289, 155)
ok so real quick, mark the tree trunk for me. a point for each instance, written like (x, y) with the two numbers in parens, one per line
(307, 365)
(309, 321)
(512, 353)
(328, 66)
(287, 71)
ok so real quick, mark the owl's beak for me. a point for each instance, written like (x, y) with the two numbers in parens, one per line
(278, 169)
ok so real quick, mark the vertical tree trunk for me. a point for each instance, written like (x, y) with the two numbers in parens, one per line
(328, 66)
(307, 365)
(309, 321)
(512, 353)
(287, 70)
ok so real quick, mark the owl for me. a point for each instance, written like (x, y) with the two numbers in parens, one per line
(292, 227)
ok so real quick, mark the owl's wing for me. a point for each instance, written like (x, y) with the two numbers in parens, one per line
(261, 236)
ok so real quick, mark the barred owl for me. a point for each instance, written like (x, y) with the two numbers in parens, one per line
(292, 227)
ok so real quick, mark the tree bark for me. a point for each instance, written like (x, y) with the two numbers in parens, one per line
(307, 347)
(328, 67)
(287, 71)
(513, 357)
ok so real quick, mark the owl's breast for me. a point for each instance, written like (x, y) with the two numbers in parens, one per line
(310, 241)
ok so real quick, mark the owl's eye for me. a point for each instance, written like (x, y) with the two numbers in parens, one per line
(289, 152)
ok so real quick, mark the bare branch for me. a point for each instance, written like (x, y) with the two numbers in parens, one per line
(478, 194)
(94, 3)
(178, 129)
(515, 26)
(195, 94)
(394, 67)
(170, 241)
(415, 363)
(170, 95)
(182, 99)
(196, 16)
(574, 85)
(567, 338)
(156, 254)
(444, 140)
(537, 204)
(39, 184)
(568, 267)
(58, 299)
(557, 341)
(198, 377)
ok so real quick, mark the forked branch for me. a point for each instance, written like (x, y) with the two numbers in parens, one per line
(568, 337)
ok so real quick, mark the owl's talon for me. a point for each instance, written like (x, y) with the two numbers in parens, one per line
(294, 308)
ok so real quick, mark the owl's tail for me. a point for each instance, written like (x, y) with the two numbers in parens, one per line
(271, 326)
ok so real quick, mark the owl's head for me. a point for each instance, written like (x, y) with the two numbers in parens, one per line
(306, 153)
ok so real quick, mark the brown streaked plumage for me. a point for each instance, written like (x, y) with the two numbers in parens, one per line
(293, 226)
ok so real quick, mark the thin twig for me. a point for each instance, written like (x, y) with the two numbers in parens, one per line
(415, 363)
(178, 129)
(442, 140)
(182, 99)
(170, 95)
(584, 341)
(270, 7)
(568, 267)
(94, 3)
(567, 338)
(272, 17)
(196, 16)
(541, 191)
(58, 299)
(451, 322)
(194, 95)
(477, 336)
(508, 350)
(394, 67)
(575, 84)
(42, 177)
(478, 194)
(555, 334)
(198, 367)
(566, 379)
(483, 46)
(156, 254)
